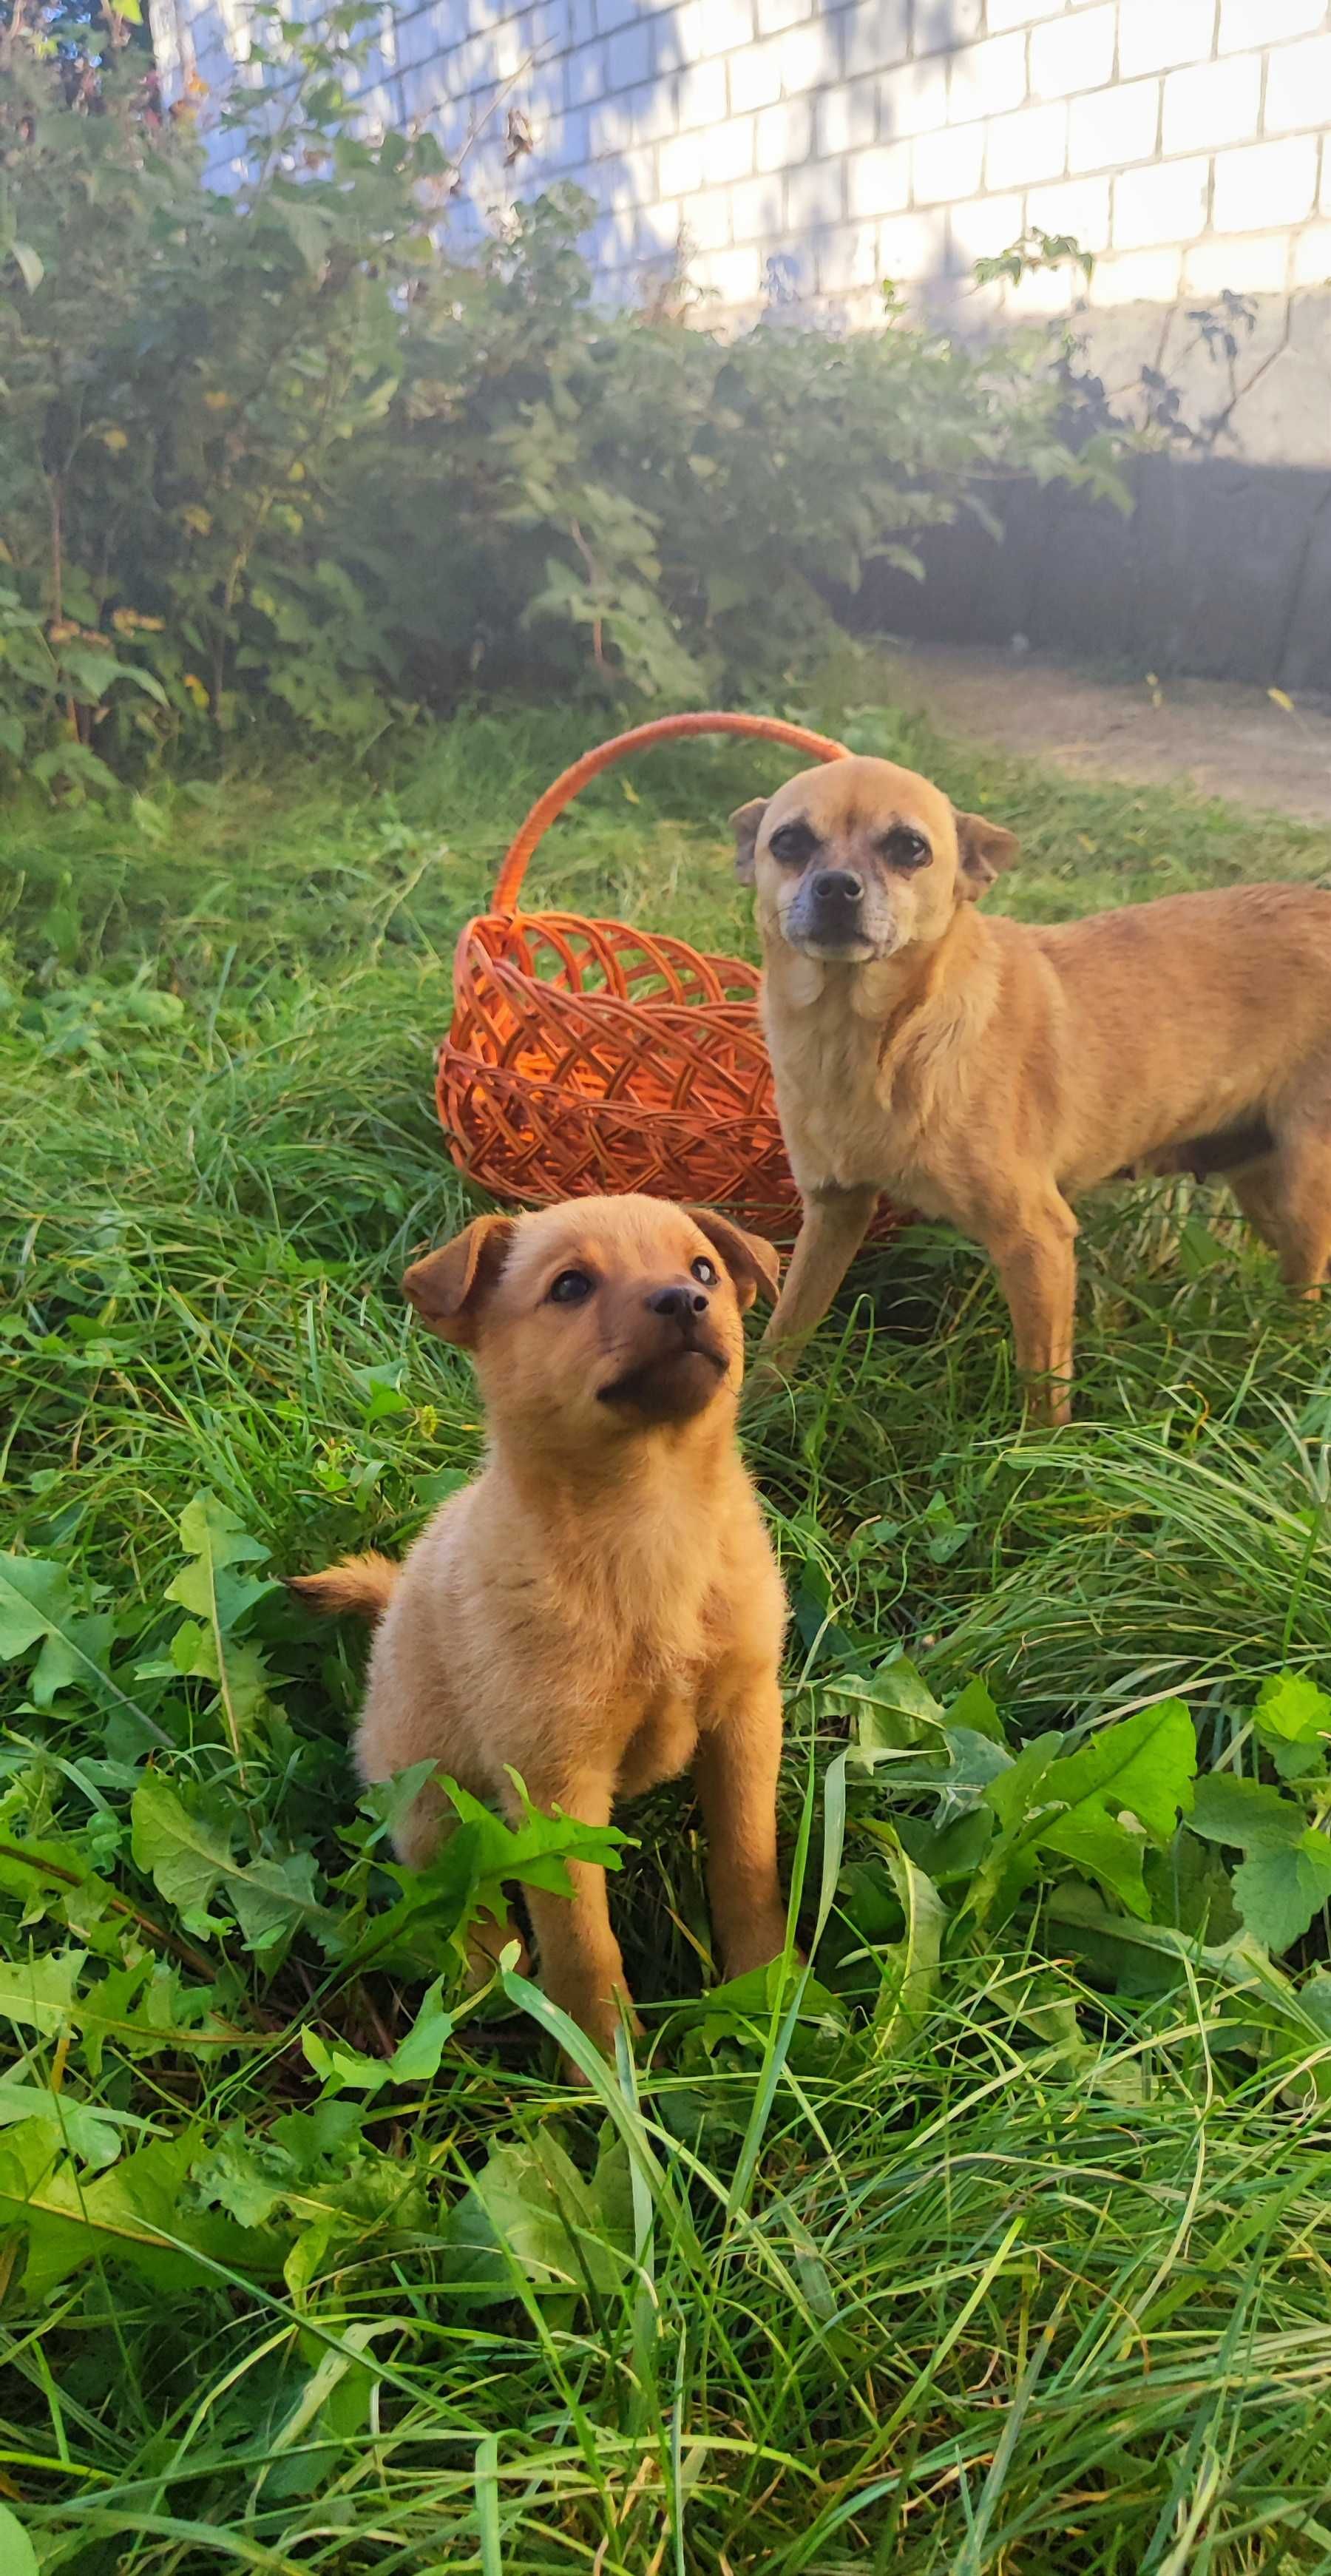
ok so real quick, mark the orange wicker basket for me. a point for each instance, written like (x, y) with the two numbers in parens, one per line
(586, 1056)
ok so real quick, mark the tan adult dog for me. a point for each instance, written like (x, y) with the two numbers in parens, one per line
(601, 1607)
(985, 1071)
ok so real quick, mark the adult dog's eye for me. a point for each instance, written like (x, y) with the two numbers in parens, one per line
(705, 1272)
(906, 849)
(792, 843)
(569, 1288)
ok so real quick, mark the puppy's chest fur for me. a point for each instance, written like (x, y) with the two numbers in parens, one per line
(650, 1596)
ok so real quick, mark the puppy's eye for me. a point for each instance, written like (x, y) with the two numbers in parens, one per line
(906, 849)
(569, 1288)
(705, 1272)
(792, 844)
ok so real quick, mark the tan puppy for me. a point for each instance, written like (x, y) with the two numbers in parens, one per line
(985, 1071)
(601, 1608)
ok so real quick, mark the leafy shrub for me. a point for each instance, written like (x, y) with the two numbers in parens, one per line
(282, 451)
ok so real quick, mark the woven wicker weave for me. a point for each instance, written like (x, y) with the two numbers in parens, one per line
(586, 1056)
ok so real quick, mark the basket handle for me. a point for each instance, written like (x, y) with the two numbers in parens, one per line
(508, 885)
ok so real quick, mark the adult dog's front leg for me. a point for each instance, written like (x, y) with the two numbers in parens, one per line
(735, 1767)
(835, 1223)
(1036, 1261)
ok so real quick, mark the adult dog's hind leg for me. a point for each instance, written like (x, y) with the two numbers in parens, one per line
(1255, 1189)
(1301, 1208)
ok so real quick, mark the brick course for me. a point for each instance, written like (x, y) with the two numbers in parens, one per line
(808, 147)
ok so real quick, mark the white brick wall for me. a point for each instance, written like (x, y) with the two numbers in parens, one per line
(802, 150)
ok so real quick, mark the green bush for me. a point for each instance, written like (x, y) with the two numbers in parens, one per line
(282, 453)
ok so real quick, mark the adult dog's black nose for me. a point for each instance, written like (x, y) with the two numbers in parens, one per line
(683, 1303)
(837, 890)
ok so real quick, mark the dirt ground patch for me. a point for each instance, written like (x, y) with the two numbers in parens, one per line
(1222, 737)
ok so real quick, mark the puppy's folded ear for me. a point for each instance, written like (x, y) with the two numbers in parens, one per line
(450, 1288)
(752, 1264)
(984, 849)
(745, 823)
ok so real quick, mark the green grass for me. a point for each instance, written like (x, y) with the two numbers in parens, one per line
(1036, 2285)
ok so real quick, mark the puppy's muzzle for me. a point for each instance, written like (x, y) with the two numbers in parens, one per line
(685, 1305)
(680, 1362)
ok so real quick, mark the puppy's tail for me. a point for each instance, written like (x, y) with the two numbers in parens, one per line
(363, 1585)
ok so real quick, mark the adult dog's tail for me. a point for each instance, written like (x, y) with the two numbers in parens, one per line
(363, 1585)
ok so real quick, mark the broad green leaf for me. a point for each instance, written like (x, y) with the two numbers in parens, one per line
(536, 1850)
(38, 1993)
(217, 1542)
(948, 1854)
(894, 1708)
(1246, 1812)
(742, 2007)
(1072, 1805)
(209, 1528)
(897, 1684)
(417, 2057)
(1104, 1849)
(415, 2060)
(467, 1877)
(74, 1658)
(36, 1602)
(530, 2210)
(310, 228)
(1280, 1893)
(238, 2179)
(189, 1860)
(147, 2009)
(17, 2555)
(1189, 1886)
(974, 1711)
(1145, 1764)
(94, 2139)
(35, 1598)
(382, 1390)
(131, 2216)
(1018, 1795)
(271, 1896)
(909, 1966)
(1145, 1767)
(1291, 1707)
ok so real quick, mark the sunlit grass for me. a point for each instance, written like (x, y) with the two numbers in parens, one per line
(983, 2303)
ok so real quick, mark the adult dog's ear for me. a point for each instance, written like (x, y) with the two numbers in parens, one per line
(985, 850)
(451, 1288)
(752, 1264)
(746, 822)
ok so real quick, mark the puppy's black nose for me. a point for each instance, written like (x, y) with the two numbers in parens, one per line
(682, 1303)
(837, 889)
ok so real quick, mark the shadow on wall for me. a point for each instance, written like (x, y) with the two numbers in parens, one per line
(731, 169)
